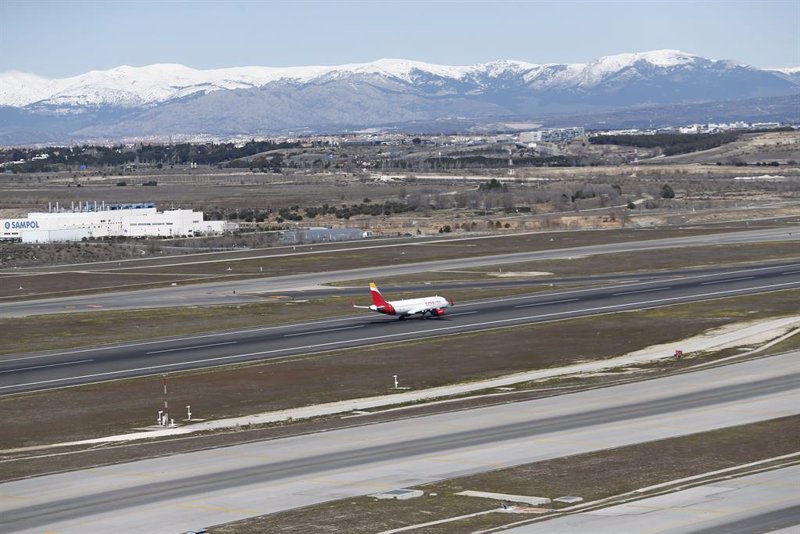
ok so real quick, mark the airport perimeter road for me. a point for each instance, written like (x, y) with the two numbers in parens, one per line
(31, 372)
(764, 502)
(198, 489)
(248, 290)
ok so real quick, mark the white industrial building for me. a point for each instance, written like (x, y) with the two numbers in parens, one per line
(108, 220)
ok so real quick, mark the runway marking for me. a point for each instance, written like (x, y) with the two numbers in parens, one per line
(44, 366)
(201, 336)
(214, 508)
(657, 507)
(546, 303)
(790, 272)
(640, 291)
(193, 347)
(6, 496)
(461, 313)
(322, 331)
(727, 280)
(444, 331)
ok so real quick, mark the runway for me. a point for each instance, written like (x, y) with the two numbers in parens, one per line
(32, 372)
(203, 488)
(243, 291)
(764, 502)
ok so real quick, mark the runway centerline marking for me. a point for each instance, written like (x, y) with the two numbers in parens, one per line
(193, 347)
(43, 366)
(323, 331)
(727, 280)
(461, 313)
(640, 291)
(546, 303)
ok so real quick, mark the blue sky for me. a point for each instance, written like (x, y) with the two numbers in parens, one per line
(67, 37)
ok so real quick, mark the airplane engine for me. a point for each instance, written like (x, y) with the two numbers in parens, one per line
(438, 312)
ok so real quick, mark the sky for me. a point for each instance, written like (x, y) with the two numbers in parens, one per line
(61, 38)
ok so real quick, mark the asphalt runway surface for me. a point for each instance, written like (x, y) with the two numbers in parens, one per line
(198, 489)
(253, 290)
(33, 372)
(763, 502)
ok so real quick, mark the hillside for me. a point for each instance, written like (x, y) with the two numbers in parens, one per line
(162, 101)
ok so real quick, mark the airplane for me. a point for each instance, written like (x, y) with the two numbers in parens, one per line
(433, 306)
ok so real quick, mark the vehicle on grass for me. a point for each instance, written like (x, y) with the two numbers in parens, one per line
(424, 307)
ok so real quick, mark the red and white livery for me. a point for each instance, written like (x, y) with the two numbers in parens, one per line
(426, 306)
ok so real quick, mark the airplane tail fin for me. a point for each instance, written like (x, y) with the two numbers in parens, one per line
(377, 298)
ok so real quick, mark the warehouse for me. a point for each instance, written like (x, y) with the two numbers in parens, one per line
(322, 235)
(93, 220)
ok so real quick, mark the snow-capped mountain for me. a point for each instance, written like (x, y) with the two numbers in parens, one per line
(792, 74)
(169, 99)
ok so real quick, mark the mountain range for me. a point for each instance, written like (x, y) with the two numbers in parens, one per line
(166, 100)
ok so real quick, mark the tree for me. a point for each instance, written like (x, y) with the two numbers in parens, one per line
(667, 192)
(493, 185)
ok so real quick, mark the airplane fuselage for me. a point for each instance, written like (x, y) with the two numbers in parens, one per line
(412, 306)
(425, 306)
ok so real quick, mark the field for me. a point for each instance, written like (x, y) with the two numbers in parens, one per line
(452, 217)
(280, 379)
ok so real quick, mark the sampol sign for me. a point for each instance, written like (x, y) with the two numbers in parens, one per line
(23, 224)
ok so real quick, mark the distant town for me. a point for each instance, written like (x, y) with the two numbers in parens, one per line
(384, 151)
